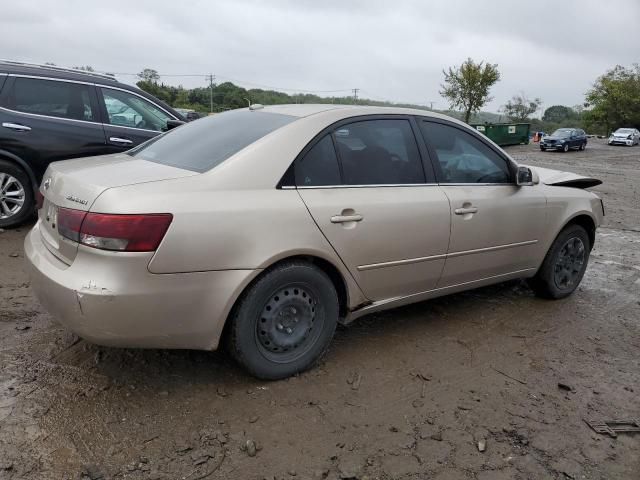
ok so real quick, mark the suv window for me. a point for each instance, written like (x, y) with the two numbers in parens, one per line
(52, 98)
(462, 158)
(379, 152)
(319, 166)
(128, 110)
(202, 145)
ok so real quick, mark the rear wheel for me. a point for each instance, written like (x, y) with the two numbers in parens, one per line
(285, 321)
(16, 195)
(564, 265)
(583, 146)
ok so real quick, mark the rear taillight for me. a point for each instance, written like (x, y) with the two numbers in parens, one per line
(123, 233)
(69, 223)
(39, 200)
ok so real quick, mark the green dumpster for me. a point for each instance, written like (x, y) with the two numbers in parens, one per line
(505, 133)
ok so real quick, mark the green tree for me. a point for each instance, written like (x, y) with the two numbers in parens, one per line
(520, 108)
(559, 114)
(614, 99)
(467, 86)
(149, 75)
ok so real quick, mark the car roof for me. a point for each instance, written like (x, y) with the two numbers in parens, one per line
(52, 71)
(10, 67)
(346, 111)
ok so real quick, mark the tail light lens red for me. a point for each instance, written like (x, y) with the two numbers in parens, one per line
(39, 200)
(123, 233)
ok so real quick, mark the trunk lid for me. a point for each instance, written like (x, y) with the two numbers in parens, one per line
(76, 184)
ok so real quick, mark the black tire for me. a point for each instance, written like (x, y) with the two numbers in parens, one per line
(284, 322)
(9, 170)
(543, 149)
(565, 148)
(548, 281)
(583, 146)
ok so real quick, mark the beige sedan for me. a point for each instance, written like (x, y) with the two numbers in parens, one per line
(267, 226)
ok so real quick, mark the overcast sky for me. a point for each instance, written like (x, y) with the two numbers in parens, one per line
(390, 50)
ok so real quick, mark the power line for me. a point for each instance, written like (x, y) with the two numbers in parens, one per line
(271, 87)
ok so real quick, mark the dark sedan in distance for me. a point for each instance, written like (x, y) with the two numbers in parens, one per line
(565, 139)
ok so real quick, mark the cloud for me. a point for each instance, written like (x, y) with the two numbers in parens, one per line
(394, 51)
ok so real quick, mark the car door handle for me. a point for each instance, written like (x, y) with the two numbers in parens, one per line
(121, 141)
(16, 126)
(356, 217)
(464, 211)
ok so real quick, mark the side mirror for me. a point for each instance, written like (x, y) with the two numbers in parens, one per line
(524, 177)
(173, 124)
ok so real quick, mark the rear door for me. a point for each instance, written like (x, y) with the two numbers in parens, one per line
(576, 139)
(45, 120)
(129, 119)
(495, 224)
(365, 185)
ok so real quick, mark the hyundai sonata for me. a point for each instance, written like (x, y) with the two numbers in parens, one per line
(267, 226)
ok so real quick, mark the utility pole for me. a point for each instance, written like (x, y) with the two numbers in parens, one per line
(430, 102)
(355, 95)
(211, 78)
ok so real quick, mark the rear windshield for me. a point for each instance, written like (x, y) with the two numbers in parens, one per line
(206, 143)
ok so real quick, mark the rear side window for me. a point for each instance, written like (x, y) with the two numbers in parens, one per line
(379, 152)
(319, 167)
(202, 145)
(462, 157)
(52, 98)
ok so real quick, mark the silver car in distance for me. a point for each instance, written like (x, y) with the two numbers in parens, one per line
(265, 227)
(625, 136)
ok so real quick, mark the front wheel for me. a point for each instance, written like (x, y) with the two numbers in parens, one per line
(565, 148)
(285, 321)
(564, 265)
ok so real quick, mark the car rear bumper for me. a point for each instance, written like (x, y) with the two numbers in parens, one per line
(110, 298)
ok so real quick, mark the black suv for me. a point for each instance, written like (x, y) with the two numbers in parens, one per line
(565, 139)
(49, 113)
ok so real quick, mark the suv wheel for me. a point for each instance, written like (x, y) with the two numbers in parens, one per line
(583, 146)
(16, 195)
(565, 148)
(284, 322)
(564, 265)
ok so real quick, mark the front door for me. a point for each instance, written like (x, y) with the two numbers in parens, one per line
(495, 224)
(130, 119)
(375, 206)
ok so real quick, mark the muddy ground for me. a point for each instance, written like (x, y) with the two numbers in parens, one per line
(407, 393)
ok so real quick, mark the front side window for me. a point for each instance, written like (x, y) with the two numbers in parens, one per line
(462, 158)
(379, 152)
(51, 98)
(128, 110)
(319, 166)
